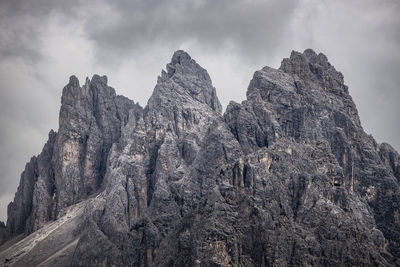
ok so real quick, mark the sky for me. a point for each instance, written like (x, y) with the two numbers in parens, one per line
(43, 42)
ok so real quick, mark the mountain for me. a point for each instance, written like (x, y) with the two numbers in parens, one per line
(287, 177)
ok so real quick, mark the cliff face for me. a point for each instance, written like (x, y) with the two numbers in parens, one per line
(287, 177)
(72, 163)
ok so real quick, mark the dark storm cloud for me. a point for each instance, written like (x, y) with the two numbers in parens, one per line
(22, 24)
(250, 26)
(42, 42)
(120, 27)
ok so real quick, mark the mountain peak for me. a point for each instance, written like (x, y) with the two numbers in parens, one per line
(315, 68)
(309, 56)
(182, 62)
(179, 56)
(100, 79)
(73, 81)
(188, 77)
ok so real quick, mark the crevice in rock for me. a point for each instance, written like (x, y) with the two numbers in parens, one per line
(151, 179)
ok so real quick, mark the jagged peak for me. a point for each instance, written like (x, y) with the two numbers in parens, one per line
(182, 62)
(71, 91)
(87, 97)
(73, 81)
(191, 78)
(309, 52)
(74, 89)
(179, 56)
(308, 56)
(312, 67)
(52, 134)
(99, 79)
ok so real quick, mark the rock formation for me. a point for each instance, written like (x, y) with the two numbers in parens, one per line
(72, 163)
(287, 177)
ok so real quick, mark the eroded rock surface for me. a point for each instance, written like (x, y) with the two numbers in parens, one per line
(287, 177)
(72, 164)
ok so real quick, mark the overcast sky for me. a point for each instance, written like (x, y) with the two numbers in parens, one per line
(42, 43)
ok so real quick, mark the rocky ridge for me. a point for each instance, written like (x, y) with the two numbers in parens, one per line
(287, 177)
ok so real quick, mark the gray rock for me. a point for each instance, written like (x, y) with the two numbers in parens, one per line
(3, 232)
(72, 164)
(90, 122)
(287, 177)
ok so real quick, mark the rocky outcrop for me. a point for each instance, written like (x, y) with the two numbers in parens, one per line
(390, 158)
(306, 101)
(287, 177)
(161, 168)
(91, 117)
(73, 161)
(306, 104)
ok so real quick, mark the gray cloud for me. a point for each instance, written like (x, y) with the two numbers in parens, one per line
(250, 26)
(42, 42)
(23, 24)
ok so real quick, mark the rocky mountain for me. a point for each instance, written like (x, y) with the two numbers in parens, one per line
(287, 177)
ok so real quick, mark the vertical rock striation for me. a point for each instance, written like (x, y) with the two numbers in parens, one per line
(306, 104)
(161, 168)
(72, 163)
(90, 122)
(287, 177)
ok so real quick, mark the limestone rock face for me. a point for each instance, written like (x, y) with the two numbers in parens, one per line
(287, 177)
(73, 161)
(91, 117)
(164, 165)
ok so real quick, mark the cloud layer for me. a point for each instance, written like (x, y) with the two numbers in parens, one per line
(42, 42)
